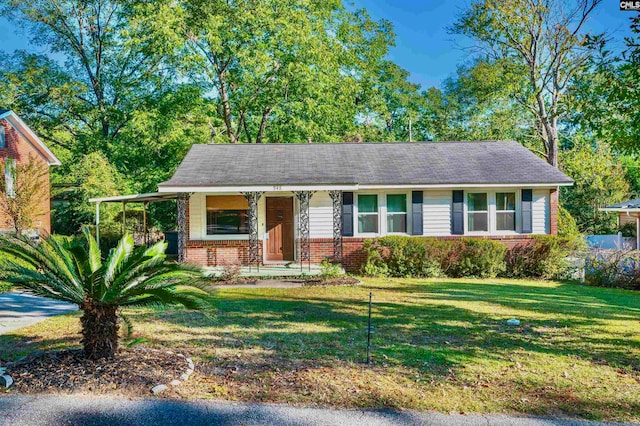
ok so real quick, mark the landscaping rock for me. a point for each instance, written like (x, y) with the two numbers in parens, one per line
(159, 389)
(190, 364)
(6, 380)
(513, 321)
(175, 382)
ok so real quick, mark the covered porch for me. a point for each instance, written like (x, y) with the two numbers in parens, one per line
(270, 228)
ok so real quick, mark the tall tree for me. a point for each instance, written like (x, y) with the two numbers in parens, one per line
(542, 40)
(281, 70)
(607, 102)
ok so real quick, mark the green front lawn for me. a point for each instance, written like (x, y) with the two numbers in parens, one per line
(438, 345)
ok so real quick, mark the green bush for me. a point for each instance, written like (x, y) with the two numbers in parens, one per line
(399, 256)
(544, 256)
(329, 270)
(477, 258)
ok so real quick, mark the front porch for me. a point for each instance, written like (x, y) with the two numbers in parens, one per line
(258, 230)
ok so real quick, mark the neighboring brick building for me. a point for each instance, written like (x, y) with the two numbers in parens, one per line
(17, 144)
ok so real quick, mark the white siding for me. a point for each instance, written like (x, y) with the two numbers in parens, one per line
(540, 211)
(436, 213)
(321, 216)
(196, 216)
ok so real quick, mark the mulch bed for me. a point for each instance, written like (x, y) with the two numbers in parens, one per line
(133, 371)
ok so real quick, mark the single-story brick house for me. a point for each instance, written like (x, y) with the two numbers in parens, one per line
(17, 144)
(278, 203)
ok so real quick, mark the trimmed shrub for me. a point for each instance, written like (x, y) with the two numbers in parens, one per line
(544, 256)
(400, 256)
(477, 258)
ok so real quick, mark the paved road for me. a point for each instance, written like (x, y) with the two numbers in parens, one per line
(18, 410)
(19, 309)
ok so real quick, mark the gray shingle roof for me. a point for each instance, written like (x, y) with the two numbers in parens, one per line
(418, 163)
(631, 204)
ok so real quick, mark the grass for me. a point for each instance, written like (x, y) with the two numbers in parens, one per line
(438, 345)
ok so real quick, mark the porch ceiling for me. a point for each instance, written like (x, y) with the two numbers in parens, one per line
(138, 198)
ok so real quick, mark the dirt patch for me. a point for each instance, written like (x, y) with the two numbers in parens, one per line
(132, 372)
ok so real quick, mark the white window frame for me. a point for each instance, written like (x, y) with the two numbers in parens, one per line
(203, 222)
(467, 211)
(514, 211)
(407, 207)
(10, 177)
(357, 214)
(491, 205)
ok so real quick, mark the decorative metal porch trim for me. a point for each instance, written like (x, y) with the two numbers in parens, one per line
(336, 197)
(254, 248)
(183, 199)
(304, 247)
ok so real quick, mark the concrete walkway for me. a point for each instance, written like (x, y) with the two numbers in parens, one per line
(19, 309)
(20, 410)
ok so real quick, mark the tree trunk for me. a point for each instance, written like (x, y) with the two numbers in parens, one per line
(99, 331)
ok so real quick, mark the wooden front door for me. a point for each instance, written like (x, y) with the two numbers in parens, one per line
(280, 228)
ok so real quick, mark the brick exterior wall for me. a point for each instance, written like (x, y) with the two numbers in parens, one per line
(553, 212)
(220, 253)
(20, 149)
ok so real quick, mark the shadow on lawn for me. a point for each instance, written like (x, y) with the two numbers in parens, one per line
(425, 331)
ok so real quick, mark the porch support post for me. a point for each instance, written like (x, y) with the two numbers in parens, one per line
(98, 223)
(183, 199)
(336, 197)
(303, 227)
(124, 217)
(254, 248)
(144, 222)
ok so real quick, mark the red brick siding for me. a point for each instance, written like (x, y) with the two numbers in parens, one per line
(20, 149)
(553, 212)
(219, 253)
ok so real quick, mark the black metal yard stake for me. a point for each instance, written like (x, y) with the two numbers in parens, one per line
(369, 332)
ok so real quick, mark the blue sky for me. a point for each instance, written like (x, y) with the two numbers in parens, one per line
(423, 46)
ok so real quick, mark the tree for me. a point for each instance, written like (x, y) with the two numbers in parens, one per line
(109, 84)
(282, 71)
(24, 194)
(544, 42)
(599, 181)
(72, 271)
(91, 177)
(607, 102)
(476, 104)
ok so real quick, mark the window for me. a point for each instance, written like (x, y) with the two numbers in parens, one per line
(227, 215)
(3, 140)
(506, 211)
(396, 213)
(478, 212)
(367, 214)
(9, 177)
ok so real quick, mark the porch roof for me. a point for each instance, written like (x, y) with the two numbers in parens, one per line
(626, 206)
(361, 165)
(137, 198)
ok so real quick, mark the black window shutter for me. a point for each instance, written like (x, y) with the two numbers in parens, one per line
(416, 212)
(457, 213)
(347, 214)
(527, 211)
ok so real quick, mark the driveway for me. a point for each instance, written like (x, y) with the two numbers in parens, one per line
(18, 410)
(19, 309)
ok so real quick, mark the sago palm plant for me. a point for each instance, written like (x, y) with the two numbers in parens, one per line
(72, 270)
